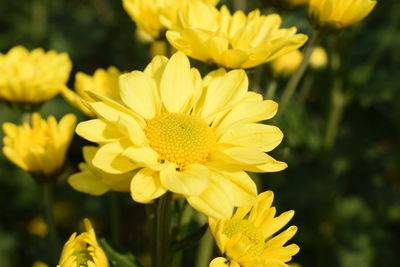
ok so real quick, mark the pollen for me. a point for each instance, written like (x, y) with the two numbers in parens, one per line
(180, 138)
(251, 236)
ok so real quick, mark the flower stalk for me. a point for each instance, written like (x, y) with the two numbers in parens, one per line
(298, 74)
(163, 220)
(47, 192)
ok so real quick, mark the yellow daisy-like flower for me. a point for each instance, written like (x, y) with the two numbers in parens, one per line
(194, 137)
(104, 82)
(83, 250)
(94, 181)
(248, 238)
(37, 226)
(234, 40)
(286, 64)
(319, 58)
(40, 148)
(32, 77)
(39, 264)
(154, 17)
(337, 14)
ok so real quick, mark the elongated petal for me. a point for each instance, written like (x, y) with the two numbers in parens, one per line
(140, 94)
(146, 186)
(176, 84)
(87, 183)
(98, 131)
(143, 156)
(109, 158)
(191, 181)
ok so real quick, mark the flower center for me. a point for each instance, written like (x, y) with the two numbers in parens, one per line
(180, 138)
(83, 257)
(251, 237)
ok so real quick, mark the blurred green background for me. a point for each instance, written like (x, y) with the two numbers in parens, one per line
(346, 195)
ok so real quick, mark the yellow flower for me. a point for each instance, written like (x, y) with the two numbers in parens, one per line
(154, 17)
(37, 226)
(194, 137)
(337, 14)
(39, 264)
(248, 237)
(32, 77)
(232, 41)
(104, 82)
(319, 58)
(286, 64)
(83, 250)
(93, 180)
(40, 148)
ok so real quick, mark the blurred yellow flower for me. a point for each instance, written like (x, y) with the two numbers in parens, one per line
(37, 226)
(248, 237)
(32, 77)
(83, 250)
(337, 14)
(232, 41)
(194, 137)
(40, 148)
(92, 180)
(39, 264)
(319, 58)
(104, 82)
(154, 17)
(286, 64)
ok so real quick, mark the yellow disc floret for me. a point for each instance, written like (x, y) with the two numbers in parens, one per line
(251, 236)
(180, 138)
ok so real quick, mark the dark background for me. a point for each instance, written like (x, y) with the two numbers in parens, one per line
(346, 196)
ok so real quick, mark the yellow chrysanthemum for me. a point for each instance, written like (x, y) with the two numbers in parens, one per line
(94, 181)
(39, 264)
(154, 17)
(232, 41)
(32, 77)
(248, 238)
(338, 14)
(104, 82)
(83, 250)
(286, 64)
(191, 136)
(37, 226)
(319, 58)
(40, 148)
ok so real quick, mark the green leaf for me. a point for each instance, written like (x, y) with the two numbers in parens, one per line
(118, 259)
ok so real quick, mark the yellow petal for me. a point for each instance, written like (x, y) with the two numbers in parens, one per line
(223, 93)
(248, 112)
(98, 131)
(192, 180)
(146, 186)
(140, 94)
(220, 262)
(109, 159)
(87, 183)
(176, 84)
(233, 58)
(143, 156)
(255, 135)
(216, 201)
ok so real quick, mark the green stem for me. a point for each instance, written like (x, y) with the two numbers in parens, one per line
(306, 88)
(296, 76)
(47, 191)
(115, 215)
(271, 89)
(163, 216)
(338, 104)
(205, 251)
(183, 224)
